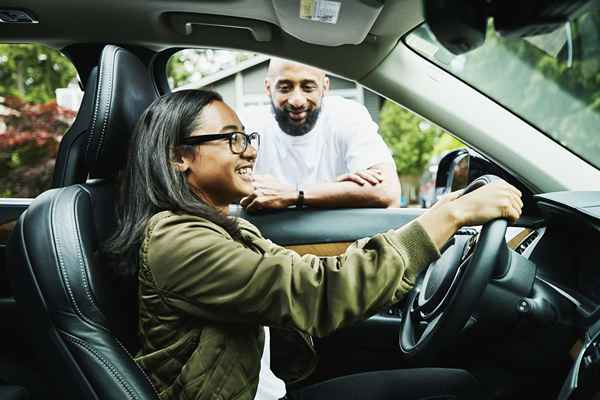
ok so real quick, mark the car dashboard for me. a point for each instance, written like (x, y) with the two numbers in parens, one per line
(564, 246)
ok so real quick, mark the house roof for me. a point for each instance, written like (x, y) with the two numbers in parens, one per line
(224, 73)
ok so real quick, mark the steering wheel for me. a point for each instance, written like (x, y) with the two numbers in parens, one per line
(438, 309)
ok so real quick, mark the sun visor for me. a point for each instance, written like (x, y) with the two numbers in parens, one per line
(328, 22)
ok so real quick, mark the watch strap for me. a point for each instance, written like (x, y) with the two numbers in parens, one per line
(300, 199)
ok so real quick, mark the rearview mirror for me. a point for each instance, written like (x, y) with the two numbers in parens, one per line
(461, 26)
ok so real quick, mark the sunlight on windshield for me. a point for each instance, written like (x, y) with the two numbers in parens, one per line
(553, 82)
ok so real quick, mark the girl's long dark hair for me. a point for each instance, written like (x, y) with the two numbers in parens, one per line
(151, 184)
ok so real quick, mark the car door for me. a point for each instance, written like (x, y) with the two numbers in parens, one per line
(39, 98)
(372, 344)
(10, 359)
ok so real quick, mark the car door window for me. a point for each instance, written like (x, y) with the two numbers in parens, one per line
(416, 144)
(39, 99)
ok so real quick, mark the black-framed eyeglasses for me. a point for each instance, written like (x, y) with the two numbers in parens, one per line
(238, 141)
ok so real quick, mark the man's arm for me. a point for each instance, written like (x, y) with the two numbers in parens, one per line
(270, 194)
(348, 193)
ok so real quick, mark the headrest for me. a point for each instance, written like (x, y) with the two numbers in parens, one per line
(124, 90)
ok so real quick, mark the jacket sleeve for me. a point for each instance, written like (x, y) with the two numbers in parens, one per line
(199, 270)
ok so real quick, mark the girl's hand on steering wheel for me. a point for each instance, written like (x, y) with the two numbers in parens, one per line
(495, 200)
(491, 201)
(447, 198)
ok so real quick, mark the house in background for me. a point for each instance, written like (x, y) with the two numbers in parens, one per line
(242, 86)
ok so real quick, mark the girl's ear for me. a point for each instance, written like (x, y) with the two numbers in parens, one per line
(180, 165)
(180, 162)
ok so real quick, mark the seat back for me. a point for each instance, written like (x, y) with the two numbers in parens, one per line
(69, 168)
(83, 320)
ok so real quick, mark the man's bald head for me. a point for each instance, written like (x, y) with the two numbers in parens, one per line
(278, 66)
(296, 91)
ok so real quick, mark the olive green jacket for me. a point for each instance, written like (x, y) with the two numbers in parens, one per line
(204, 298)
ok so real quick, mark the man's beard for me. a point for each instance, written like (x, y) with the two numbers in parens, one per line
(289, 126)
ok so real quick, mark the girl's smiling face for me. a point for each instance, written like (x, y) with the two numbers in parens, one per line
(217, 175)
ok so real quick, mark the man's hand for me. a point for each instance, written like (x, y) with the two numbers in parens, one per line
(269, 194)
(370, 175)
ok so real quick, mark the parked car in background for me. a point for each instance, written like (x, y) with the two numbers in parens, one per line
(427, 190)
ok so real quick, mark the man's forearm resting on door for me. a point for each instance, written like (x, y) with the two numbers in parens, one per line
(270, 194)
(349, 193)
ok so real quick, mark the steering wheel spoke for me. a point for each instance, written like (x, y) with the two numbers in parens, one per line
(431, 325)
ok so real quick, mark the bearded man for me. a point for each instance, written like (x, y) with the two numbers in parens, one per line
(317, 150)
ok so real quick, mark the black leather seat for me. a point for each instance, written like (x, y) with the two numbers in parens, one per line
(8, 392)
(69, 168)
(81, 320)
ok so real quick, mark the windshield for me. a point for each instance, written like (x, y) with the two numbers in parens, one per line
(552, 80)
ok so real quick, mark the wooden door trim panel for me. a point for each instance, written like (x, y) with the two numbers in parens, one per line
(321, 249)
(337, 248)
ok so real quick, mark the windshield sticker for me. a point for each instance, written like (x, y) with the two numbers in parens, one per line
(320, 10)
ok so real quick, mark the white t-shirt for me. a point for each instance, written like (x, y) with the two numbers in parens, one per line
(344, 140)
(270, 387)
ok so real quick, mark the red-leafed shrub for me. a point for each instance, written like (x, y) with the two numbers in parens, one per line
(29, 144)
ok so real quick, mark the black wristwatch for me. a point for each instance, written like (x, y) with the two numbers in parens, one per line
(300, 199)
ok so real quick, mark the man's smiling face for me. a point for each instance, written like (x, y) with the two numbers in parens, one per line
(296, 92)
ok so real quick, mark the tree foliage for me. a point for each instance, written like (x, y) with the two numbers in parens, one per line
(33, 72)
(31, 123)
(557, 92)
(29, 145)
(412, 140)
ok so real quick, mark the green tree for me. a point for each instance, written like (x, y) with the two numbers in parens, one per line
(31, 122)
(559, 96)
(412, 139)
(33, 72)
(446, 143)
(550, 80)
(177, 73)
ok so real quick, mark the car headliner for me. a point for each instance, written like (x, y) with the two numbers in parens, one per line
(146, 23)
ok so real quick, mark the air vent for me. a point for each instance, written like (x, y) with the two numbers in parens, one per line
(527, 242)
